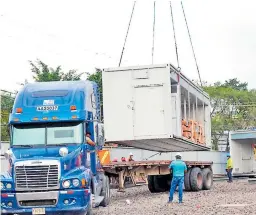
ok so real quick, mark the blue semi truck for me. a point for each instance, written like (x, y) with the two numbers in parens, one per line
(52, 169)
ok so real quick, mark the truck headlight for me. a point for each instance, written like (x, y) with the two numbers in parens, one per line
(2, 185)
(66, 184)
(8, 186)
(76, 182)
(63, 151)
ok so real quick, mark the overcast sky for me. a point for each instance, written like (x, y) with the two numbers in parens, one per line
(83, 35)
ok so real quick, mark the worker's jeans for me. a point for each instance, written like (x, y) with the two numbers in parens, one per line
(229, 173)
(176, 181)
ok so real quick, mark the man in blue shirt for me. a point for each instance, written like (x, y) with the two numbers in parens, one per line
(178, 169)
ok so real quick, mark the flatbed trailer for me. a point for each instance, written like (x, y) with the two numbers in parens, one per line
(157, 174)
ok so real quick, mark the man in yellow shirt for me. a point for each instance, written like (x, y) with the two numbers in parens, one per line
(229, 168)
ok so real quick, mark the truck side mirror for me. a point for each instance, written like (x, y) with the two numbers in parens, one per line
(8, 154)
(100, 134)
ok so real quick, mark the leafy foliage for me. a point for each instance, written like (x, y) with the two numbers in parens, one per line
(97, 78)
(233, 107)
(43, 73)
(6, 100)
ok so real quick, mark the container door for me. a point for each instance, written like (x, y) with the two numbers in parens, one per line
(254, 164)
(247, 158)
(254, 157)
(149, 115)
(174, 115)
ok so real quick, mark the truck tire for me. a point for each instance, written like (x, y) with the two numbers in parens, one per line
(207, 179)
(187, 180)
(151, 185)
(161, 183)
(196, 179)
(105, 192)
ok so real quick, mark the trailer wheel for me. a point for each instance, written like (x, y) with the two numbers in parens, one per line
(196, 179)
(105, 191)
(151, 185)
(161, 183)
(187, 180)
(207, 178)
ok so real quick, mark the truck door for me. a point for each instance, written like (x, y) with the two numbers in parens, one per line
(149, 115)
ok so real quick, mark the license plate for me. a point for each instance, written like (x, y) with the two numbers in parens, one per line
(38, 211)
(46, 108)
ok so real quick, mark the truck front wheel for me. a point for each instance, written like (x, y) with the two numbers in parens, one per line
(196, 179)
(105, 192)
(89, 211)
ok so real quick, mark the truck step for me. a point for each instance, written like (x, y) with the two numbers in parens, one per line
(97, 200)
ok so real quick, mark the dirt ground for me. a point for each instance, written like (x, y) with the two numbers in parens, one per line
(224, 198)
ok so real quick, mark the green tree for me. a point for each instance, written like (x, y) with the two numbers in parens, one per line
(233, 107)
(43, 73)
(6, 99)
(97, 78)
(236, 84)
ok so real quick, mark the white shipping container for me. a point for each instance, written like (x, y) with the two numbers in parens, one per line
(242, 145)
(144, 107)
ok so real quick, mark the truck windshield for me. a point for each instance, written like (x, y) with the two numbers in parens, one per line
(47, 134)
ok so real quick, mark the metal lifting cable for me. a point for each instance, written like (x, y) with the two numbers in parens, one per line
(153, 44)
(176, 47)
(127, 34)
(191, 45)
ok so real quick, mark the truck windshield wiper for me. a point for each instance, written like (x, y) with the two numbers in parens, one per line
(23, 146)
(60, 144)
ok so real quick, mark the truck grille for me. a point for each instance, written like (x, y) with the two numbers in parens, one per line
(43, 202)
(37, 176)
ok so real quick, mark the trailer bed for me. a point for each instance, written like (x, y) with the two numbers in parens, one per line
(138, 171)
(113, 165)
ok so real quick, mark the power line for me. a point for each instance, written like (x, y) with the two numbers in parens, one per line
(191, 44)
(153, 42)
(127, 34)
(174, 34)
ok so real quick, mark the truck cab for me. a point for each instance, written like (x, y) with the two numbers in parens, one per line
(52, 169)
